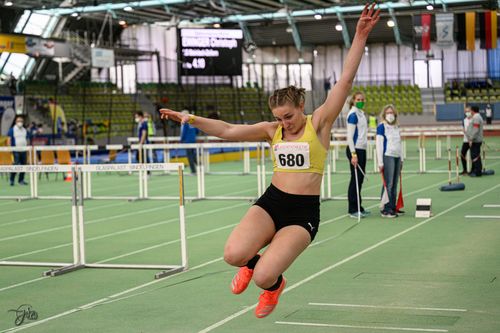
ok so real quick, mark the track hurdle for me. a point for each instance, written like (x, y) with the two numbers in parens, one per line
(78, 221)
(34, 169)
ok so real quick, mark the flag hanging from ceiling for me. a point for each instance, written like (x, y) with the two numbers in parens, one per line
(488, 29)
(422, 31)
(466, 31)
(444, 29)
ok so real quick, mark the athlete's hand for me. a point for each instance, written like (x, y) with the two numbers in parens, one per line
(174, 115)
(367, 20)
(381, 168)
(354, 160)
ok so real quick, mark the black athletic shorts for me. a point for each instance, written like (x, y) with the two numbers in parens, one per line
(291, 209)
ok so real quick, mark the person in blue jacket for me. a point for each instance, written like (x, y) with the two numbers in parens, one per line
(188, 135)
(389, 156)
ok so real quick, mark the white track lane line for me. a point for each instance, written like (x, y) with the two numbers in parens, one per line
(482, 217)
(387, 307)
(384, 328)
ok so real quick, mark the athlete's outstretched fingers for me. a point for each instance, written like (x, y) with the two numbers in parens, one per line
(365, 10)
(255, 231)
(370, 12)
(285, 247)
(171, 114)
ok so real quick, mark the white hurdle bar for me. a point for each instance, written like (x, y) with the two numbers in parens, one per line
(201, 148)
(165, 140)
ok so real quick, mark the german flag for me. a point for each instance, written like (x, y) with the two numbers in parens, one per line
(466, 31)
(422, 31)
(488, 29)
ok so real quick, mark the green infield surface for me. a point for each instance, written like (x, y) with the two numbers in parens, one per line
(437, 274)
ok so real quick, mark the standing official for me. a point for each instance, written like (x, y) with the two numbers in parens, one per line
(475, 138)
(465, 144)
(18, 137)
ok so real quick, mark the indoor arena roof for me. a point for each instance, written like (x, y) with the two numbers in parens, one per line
(211, 11)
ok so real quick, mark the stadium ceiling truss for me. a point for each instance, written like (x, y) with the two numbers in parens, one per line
(229, 11)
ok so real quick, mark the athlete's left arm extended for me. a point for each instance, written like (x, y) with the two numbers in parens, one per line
(328, 112)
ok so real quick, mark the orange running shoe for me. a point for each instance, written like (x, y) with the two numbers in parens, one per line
(268, 300)
(241, 280)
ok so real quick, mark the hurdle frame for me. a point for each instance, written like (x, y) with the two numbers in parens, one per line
(77, 217)
(33, 169)
(166, 270)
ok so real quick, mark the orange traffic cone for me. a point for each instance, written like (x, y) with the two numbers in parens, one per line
(69, 176)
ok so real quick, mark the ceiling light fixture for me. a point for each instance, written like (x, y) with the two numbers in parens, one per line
(128, 9)
(390, 23)
(122, 22)
(216, 25)
(338, 27)
(8, 3)
(318, 16)
(74, 14)
(430, 7)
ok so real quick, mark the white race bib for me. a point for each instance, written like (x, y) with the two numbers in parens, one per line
(292, 155)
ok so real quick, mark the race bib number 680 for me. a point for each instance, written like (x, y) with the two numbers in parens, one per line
(292, 155)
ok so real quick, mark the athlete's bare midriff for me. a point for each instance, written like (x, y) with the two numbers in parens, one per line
(307, 183)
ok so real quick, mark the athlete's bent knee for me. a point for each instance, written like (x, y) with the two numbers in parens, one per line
(264, 279)
(235, 257)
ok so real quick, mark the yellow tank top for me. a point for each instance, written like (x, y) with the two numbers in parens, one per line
(306, 154)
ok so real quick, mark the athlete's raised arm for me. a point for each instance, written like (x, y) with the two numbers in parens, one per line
(327, 113)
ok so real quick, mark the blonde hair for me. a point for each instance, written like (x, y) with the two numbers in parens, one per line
(353, 96)
(290, 95)
(384, 111)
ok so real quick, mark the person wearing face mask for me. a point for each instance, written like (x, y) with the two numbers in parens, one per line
(18, 137)
(389, 156)
(357, 131)
(465, 144)
(474, 135)
(142, 133)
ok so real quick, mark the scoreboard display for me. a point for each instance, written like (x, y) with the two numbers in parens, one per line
(210, 51)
